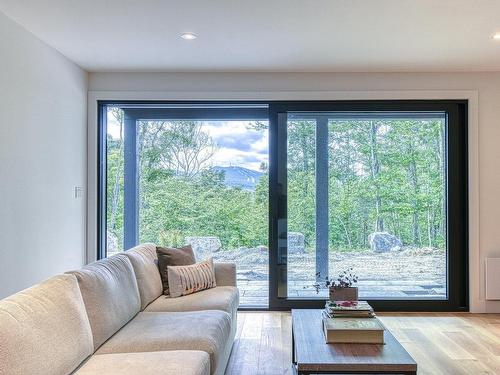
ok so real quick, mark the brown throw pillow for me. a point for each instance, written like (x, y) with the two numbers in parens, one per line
(172, 256)
(184, 280)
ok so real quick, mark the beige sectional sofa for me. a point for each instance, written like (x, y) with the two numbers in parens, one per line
(111, 318)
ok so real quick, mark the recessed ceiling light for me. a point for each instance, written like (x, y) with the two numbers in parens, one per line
(189, 36)
(496, 36)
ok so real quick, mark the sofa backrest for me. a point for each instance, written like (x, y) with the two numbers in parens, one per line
(44, 329)
(110, 293)
(145, 262)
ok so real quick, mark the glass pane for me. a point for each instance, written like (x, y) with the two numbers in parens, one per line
(114, 182)
(206, 183)
(301, 219)
(386, 207)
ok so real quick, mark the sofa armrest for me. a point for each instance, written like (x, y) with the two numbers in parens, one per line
(225, 274)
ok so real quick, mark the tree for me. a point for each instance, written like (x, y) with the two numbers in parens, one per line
(301, 160)
(375, 172)
(180, 146)
(190, 199)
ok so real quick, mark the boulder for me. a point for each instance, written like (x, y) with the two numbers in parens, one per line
(204, 247)
(383, 242)
(296, 243)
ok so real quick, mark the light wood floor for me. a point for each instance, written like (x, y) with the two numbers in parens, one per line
(451, 344)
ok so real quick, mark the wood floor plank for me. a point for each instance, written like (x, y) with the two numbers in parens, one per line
(286, 340)
(441, 343)
(271, 348)
(246, 359)
(236, 346)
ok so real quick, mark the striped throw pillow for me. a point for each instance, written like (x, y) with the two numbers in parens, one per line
(183, 280)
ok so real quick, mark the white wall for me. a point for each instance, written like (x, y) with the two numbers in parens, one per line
(42, 158)
(483, 90)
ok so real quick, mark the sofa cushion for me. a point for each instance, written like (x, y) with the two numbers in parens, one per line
(179, 362)
(184, 280)
(172, 256)
(208, 331)
(225, 274)
(225, 298)
(44, 329)
(109, 290)
(145, 263)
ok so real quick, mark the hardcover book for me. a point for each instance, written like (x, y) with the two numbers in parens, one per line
(354, 309)
(348, 305)
(353, 330)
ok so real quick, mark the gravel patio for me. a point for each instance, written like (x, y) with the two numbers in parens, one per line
(409, 273)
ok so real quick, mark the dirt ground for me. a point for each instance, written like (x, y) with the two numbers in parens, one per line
(409, 273)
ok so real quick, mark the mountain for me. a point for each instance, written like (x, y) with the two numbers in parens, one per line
(239, 177)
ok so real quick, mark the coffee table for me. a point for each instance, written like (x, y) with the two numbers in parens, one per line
(311, 355)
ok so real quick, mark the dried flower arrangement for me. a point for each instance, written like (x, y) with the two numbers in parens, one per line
(345, 279)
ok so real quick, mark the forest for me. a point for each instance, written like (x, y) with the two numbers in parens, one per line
(383, 175)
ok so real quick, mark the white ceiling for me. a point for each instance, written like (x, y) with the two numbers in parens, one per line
(272, 35)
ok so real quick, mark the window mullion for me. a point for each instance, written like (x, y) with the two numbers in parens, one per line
(322, 197)
(131, 184)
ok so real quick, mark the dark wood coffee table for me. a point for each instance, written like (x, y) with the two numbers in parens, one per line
(312, 356)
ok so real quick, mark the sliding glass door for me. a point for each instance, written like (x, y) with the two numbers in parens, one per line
(372, 189)
(367, 192)
(193, 175)
(295, 192)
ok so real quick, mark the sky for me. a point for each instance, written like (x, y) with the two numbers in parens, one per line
(236, 145)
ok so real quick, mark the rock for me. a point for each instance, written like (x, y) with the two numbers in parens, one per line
(296, 243)
(383, 242)
(204, 247)
(262, 248)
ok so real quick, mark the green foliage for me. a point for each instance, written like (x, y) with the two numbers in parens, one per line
(170, 238)
(176, 207)
(383, 175)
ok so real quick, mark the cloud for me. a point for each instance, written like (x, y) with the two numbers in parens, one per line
(237, 144)
(113, 127)
(243, 142)
(261, 145)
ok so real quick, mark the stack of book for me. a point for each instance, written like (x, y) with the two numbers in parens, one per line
(351, 322)
(348, 309)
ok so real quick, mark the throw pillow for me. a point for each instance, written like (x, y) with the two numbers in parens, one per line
(183, 280)
(172, 256)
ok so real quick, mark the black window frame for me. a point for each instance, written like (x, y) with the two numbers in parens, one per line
(457, 213)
